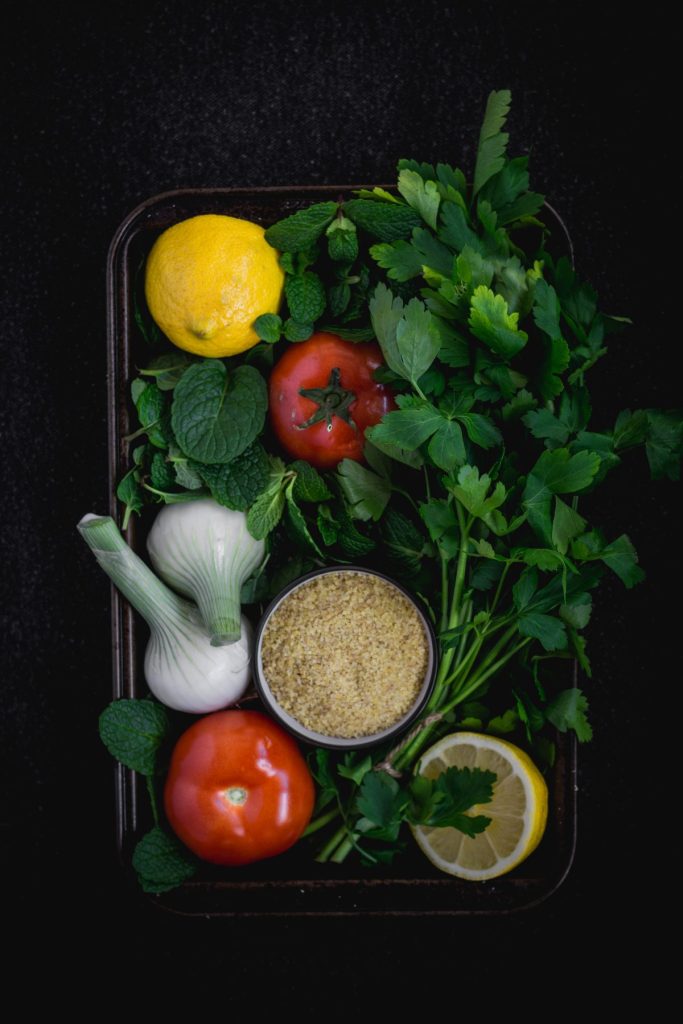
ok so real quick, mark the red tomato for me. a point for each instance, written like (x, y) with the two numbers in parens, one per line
(238, 788)
(323, 396)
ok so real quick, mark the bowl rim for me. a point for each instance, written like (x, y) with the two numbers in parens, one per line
(310, 736)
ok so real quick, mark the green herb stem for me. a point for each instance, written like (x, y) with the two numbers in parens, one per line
(149, 779)
(332, 844)
(342, 850)
(321, 821)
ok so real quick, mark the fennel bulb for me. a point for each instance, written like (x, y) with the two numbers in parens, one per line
(205, 551)
(182, 668)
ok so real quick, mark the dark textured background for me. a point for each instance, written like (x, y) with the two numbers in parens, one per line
(107, 109)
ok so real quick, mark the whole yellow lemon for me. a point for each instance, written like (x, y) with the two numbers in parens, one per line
(208, 278)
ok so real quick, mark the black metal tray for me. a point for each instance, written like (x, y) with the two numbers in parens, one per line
(292, 883)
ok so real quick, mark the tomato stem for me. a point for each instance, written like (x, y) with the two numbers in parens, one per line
(332, 400)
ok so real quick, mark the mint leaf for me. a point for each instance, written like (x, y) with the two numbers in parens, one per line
(492, 323)
(268, 327)
(366, 492)
(132, 731)
(296, 330)
(161, 472)
(237, 484)
(568, 711)
(405, 545)
(422, 195)
(186, 476)
(266, 512)
(388, 221)
(305, 297)
(302, 229)
(150, 403)
(492, 140)
(309, 485)
(342, 240)
(167, 369)
(130, 493)
(298, 524)
(161, 862)
(216, 414)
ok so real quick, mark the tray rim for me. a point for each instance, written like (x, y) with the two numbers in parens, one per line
(123, 618)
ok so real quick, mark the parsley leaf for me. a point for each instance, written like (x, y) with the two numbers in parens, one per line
(406, 428)
(492, 140)
(417, 339)
(492, 323)
(366, 492)
(422, 195)
(568, 711)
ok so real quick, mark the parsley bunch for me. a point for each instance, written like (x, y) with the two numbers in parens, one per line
(478, 486)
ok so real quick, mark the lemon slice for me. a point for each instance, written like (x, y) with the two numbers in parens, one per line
(518, 810)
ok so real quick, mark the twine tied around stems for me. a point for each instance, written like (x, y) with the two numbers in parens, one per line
(387, 764)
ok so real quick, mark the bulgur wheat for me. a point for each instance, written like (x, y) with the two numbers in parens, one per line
(345, 654)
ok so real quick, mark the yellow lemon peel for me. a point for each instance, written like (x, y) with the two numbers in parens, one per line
(207, 279)
(518, 810)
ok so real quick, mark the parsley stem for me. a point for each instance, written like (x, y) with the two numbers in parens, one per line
(444, 591)
(499, 588)
(342, 850)
(321, 821)
(332, 845)
(404, 494)
(466, 664)
(149, 779)
(480, 677)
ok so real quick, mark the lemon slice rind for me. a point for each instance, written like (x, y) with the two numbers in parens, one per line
(533, 819)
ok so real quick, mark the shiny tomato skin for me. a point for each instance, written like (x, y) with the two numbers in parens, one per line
(238, 788)
(308, 364)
